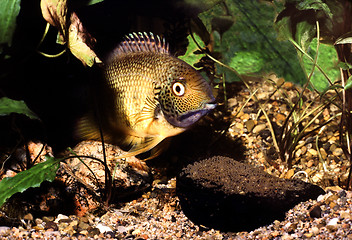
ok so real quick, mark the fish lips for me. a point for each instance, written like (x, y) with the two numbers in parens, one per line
(187, 119)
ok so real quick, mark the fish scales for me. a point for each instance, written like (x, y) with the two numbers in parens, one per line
(153, 95)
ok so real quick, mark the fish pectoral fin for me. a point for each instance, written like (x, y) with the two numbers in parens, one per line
(148, 110)
(87, 129)
(144, 146)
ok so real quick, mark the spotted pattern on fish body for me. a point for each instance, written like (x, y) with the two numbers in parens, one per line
(155, 95)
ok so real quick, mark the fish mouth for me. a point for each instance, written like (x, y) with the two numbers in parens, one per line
(187, 119)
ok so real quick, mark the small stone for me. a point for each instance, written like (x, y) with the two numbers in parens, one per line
(308, 235)
(314, 230)
(38, 221)
(342, 193)
(332, 148)
(275, 233)
(62, 218)
(290, 173)
(298, 153)
(332, 198)
(245, 116)
(315, 211)
(332, 205)
(122, 229)
(83, 225)
(259, 128)
(286, 237)
(288, 85)
(48, 219)
(337, 152)
(310, 163)
(84, 232)
(51, 225)
(28, 217)
(317, 177)
(332, 224)
(346, 226)
(102, 228)
(136, 232)
(38, 228)
(303, 149)
(323, 153)
(4, 229)
(250, 125)
(280, 118)
(313, 152)
(345, 215)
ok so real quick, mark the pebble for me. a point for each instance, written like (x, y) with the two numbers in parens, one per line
(102, 228)
(259, 128)
(28, 217)
(313, 152)
(332, 224)
(338, 152)
(61, 217)
(323, 153)
(122, 229)
(4, 229)
(250, 125)
(317, 177)
(314, 231)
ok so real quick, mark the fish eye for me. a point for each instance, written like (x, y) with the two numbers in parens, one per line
(178, 89)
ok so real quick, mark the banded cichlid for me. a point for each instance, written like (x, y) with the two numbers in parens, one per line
(149, 95)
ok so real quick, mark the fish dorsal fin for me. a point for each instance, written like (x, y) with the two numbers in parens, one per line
(141, 42)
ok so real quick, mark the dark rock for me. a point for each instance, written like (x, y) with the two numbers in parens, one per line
(315, 211)
(224, 194)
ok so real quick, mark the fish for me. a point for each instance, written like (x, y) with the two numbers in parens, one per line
(148, 95)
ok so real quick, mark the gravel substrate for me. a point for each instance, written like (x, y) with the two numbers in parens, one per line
(156, 213)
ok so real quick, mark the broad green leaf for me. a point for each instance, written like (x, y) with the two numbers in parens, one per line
(9, 9)
(348, 84)
(247, 62)
(283, 29)
(327, 60)
(190, 57)
(251, 44)
(315, 5)
(8, 106)
(344, 65)
(45, 171)
(305, 32)
(92, 2)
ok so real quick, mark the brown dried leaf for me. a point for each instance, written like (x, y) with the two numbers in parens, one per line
(81, 42)
(71, 31)
(55, 12)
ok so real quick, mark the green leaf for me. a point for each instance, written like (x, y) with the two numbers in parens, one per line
(92, 2)
(45, 171)
(247, 62)
(348, 84)
(190, 57)
(251, 44)
(305, 32)
(344, 65)
(315, 5)
(327, 60)
(9, 9)
(8, 106)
